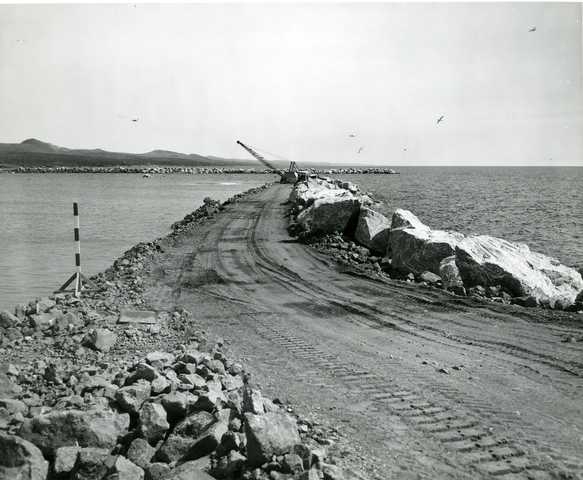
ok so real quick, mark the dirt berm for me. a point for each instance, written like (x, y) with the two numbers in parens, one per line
(413, 382)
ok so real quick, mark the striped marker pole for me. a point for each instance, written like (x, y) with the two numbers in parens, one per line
(80, 281)
(78, 284)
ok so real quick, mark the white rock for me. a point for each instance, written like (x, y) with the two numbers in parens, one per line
(488, 261)
(415, 248)
(306, 193)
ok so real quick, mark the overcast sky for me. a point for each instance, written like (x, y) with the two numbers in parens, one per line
(298, 79)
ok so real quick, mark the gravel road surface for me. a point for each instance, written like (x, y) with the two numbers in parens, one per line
(409, 382)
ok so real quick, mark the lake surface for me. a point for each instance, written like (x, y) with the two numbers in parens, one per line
(37, 251)
(542, 207)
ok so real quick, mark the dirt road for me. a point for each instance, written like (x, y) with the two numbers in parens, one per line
(409, 382)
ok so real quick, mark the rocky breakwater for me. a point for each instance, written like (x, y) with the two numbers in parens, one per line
(103, 387)
(353, 171)
(145, 170)
(405, 248)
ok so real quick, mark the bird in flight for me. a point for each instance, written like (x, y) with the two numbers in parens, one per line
(135, 119)
(352, 135)
(532, 29)
(440, 119)
(360, 149)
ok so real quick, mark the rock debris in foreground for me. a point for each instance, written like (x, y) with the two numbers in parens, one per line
(88, 391)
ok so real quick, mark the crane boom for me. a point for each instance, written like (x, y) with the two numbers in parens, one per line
(257, 156)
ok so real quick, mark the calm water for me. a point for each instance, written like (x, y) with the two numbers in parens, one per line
(542, 207)
(116, 212)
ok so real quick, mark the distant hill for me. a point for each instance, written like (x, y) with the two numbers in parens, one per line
(36, 153)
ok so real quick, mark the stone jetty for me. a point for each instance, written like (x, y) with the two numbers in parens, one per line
(103, 387)
(145, 170)
(196, 170)
(336, 216)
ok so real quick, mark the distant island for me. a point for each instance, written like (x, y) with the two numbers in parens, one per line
(36, 153)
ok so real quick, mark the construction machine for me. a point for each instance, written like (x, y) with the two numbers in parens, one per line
(291, 175)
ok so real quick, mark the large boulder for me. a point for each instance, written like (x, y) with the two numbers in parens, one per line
(269, 434)
(372, 230)
(330, 214)
(305, 193)
(328, 207)
(91, 428)
(153, 421)
(416, 248)
(183, 436)
(142, 371)
(489, 261)
(208, 441)
(178, 405)
(140, 452)
(131, 398)
(21, 460)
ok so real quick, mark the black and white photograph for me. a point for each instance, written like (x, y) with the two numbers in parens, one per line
(326, 240)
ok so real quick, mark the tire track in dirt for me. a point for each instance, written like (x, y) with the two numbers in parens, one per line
(399, 312)
(491, 456)
(250, 263)
(458, 428)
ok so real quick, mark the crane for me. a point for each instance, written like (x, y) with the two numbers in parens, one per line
(257, 156)
(290, 176)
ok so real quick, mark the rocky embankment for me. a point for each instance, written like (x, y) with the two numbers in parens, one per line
(144, 170)
(195, 170)
(103, 387)
(336, 217)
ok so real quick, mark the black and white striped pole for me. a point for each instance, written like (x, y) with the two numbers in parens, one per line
(77, 277)
(78, 284)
